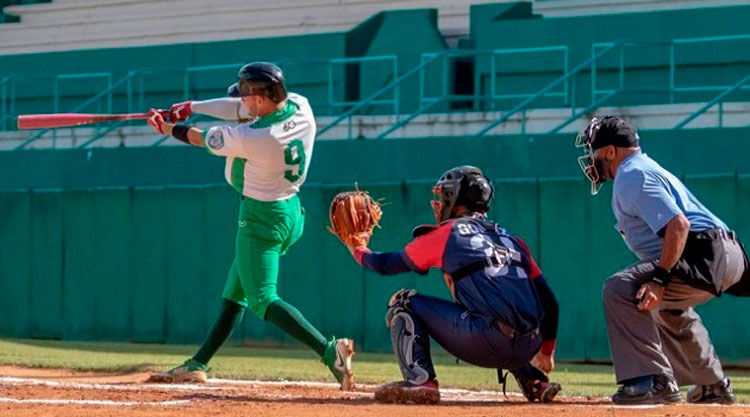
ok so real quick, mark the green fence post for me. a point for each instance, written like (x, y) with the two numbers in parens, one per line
(4, 104)
(397, 89)
(671, 72)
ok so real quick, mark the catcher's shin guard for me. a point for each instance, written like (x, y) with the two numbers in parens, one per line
(410, 343)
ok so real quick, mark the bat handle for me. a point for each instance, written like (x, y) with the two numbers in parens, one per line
(164, 113)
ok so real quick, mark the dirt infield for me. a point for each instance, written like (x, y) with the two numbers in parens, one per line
(43, 392)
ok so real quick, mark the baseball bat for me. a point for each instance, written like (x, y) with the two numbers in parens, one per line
(43, 121)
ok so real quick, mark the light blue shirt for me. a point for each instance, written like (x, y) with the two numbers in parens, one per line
(646, 197)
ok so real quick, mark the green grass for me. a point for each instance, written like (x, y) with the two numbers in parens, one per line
(273, 364)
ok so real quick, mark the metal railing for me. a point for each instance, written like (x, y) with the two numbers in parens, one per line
(133, 91)
(427, 102)
(673, 87)
(393, 101)
(607, 94)
(526, 103)
(393, 85)
(600, 96)
(719, 99)
(389, 95)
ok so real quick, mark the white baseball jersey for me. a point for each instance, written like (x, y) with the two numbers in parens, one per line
(268, 159)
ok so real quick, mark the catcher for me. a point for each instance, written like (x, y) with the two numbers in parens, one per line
(504, 312)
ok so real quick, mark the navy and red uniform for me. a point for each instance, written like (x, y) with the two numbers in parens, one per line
(504, 311)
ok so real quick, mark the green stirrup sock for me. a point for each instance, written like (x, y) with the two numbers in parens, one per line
(290, 320)
(229, 318)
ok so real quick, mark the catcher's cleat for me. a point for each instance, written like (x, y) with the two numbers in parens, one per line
(338, 358)
(542, 391)
(656, 389)
(533, 383)
(718, 393)
(402, 392)
(190, 371)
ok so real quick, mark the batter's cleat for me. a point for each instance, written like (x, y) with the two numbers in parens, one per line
(338, 359)
(403, 392)
(654, 389)
(718, 393)
(190, 371)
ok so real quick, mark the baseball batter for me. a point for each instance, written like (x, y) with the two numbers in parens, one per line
(267, 157)
(688, 256)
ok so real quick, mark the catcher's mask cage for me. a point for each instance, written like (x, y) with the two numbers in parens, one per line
(259, 78)
(587, 162)
(464, 185)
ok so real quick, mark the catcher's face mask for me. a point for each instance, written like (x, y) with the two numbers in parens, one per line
(590, 165)
(441, 207)
(447, 190)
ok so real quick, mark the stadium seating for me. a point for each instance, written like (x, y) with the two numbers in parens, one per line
(65, 25)
(506, 54)
(559, 8)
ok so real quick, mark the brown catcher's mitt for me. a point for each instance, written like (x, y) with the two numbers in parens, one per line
(354, 215)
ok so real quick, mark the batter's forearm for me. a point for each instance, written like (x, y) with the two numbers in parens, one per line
(194, 135)
(221, 108)
(675, 236)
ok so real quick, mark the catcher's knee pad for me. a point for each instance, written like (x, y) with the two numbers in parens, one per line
(403, 338)
(399, 302)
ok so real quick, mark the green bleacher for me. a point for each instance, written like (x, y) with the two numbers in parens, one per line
(9, 18)
(672, 57)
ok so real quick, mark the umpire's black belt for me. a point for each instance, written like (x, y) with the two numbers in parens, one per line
(701, 264)
(714, 234)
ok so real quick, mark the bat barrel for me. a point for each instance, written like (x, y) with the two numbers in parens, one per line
(45, 121)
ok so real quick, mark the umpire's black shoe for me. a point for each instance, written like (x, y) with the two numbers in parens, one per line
(718, 393)
(657, 389)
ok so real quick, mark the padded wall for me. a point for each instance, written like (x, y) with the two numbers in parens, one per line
(148, 263)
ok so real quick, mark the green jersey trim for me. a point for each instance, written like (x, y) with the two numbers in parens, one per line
(277, 116)
(237, 175)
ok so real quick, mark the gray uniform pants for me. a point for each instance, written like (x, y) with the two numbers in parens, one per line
(670, 340)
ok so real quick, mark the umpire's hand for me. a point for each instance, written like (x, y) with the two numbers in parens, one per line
(649, 296)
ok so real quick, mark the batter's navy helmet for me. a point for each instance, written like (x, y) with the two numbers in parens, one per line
(259, 78)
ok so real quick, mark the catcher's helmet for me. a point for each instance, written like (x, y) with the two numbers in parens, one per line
(259, 78)
(465, 186)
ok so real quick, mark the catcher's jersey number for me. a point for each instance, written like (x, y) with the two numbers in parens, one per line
(294, 154)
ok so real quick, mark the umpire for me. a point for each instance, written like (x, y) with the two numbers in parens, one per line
(687, 257)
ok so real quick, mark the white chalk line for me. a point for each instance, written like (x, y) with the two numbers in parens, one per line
(109, 387)
(313, 384)
(216, 384)
(47, 401)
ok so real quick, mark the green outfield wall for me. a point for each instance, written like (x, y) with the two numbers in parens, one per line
(135, 244)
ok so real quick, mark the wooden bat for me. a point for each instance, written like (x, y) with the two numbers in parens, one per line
(44, 121)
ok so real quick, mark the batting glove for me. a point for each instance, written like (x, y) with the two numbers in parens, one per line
(180, 111)
(156, 120)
